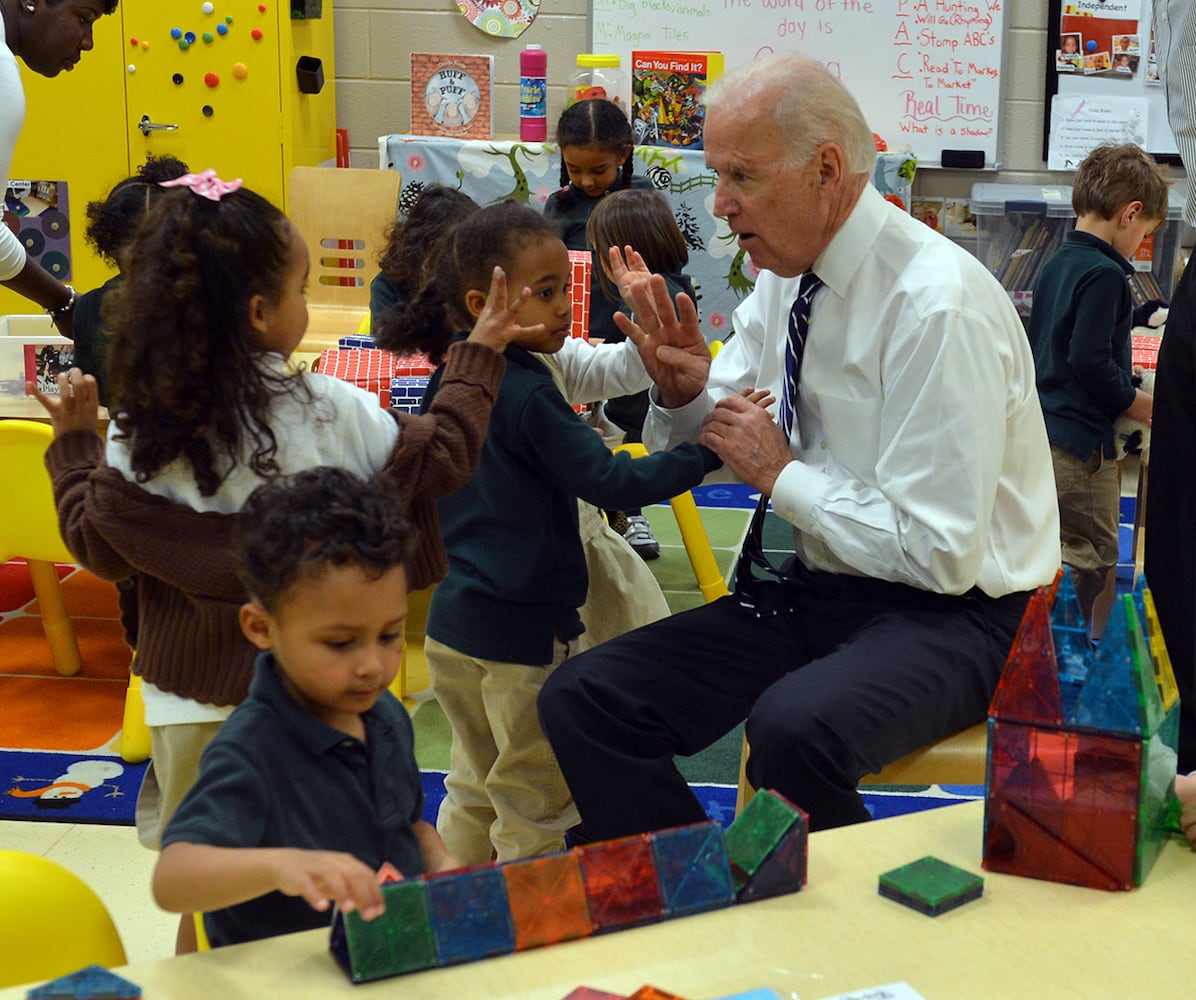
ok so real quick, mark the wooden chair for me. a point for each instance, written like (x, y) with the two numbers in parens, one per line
(342, 214)
(955, 760)
(52, 923)
(29, 528)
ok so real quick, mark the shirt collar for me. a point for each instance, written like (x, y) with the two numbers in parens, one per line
(307, 731)
(1096, 243)
(843, 255)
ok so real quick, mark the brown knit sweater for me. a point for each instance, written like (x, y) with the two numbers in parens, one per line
(183, 616)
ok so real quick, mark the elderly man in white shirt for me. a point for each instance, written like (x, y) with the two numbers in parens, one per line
(909, 456)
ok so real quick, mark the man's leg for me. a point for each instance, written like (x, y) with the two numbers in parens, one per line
(617, 714)
(916, 668)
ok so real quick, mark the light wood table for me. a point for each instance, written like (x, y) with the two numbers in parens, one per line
(1023, 938)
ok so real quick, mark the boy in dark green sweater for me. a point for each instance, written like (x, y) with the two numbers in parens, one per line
(1080, 334)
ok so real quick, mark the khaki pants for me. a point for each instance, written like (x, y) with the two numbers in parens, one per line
(1089, 492)
(173, 768)
(505, 796)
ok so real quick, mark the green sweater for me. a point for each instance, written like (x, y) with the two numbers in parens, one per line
(1080, 334)
(517, 571)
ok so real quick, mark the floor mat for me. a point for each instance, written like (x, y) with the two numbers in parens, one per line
(68, 788)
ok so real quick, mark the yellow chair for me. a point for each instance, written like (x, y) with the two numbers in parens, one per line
(51, 923)
(343, 214)
(960, 759)
(29, 528)
(711, 581)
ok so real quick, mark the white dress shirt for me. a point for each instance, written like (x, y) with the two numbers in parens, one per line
(1175, 42)
(920, 451)
(12, 117)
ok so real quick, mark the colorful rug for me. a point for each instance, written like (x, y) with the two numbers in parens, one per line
(52, 787)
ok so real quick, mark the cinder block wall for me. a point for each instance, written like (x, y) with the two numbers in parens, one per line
(375, 38)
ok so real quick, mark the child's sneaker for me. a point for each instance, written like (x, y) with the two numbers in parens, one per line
(638, 533)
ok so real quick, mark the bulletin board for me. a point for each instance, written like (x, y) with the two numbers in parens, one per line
(926, 73)
(1108, 88)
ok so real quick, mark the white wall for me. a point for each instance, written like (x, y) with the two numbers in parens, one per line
(375, 38)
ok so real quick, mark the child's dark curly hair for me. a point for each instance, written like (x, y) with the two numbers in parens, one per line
(112, 222)
(410, 242)
(465, 258)
(186, 377)
(293, 528)
(596, 123)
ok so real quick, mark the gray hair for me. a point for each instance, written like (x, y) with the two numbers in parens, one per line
(811, 107)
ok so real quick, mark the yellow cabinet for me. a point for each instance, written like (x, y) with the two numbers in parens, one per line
(232, 84)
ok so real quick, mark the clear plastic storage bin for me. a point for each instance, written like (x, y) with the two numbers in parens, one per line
(1018, 229)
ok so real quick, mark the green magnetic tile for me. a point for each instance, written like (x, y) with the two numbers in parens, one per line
(398, 941)
(931, 885)
(757, 830)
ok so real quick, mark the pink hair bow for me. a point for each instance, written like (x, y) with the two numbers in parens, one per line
(206, 184)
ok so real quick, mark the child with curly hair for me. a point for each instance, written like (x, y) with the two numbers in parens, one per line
(204, 410)
(410, 243)
(111, 224)
(499, 624)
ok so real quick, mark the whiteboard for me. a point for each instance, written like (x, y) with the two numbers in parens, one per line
(926, 73)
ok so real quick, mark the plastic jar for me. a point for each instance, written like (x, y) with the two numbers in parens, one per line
(600, 75)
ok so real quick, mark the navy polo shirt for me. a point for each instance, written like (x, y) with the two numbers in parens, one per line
(275, 776)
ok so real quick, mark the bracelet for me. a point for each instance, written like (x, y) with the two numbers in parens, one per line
(57, 314)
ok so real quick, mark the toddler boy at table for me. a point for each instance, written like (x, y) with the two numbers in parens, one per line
(311, 785)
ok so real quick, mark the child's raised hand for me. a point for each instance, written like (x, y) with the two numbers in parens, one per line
(326, 877)
(628, 271)
(496, 324)
(77, 405)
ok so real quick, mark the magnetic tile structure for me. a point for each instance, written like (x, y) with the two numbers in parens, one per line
(1082, 746)
(931, 886)
(93, 982)
(767, 848)
(476, 912)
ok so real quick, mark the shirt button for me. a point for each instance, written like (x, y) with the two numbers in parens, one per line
(822, 445)
(347, 744)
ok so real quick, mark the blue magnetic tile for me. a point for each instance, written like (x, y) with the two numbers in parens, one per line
(471, 917)
(692, 866)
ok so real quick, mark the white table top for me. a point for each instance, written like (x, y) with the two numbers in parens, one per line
(1023, 938)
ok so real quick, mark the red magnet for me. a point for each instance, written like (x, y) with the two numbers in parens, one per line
(211, 79)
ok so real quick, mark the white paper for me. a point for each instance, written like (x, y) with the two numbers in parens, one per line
(1081, 123)
(891, 991)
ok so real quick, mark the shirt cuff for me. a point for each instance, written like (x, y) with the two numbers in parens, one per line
(796, 493)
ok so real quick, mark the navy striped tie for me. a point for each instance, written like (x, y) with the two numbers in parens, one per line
(755, 593)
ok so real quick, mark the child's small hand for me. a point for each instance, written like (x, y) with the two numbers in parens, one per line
(77, 405)
(761, 397)
(628, 271)
(1142, 407)
(326, 877)
(496, 326)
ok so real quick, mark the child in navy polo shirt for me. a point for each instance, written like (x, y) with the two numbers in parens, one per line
(311, 785)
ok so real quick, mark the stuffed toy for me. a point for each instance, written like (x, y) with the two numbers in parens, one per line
(1132, 436)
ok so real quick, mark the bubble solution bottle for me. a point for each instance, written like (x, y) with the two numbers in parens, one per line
(599, 75)
(533, 94)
